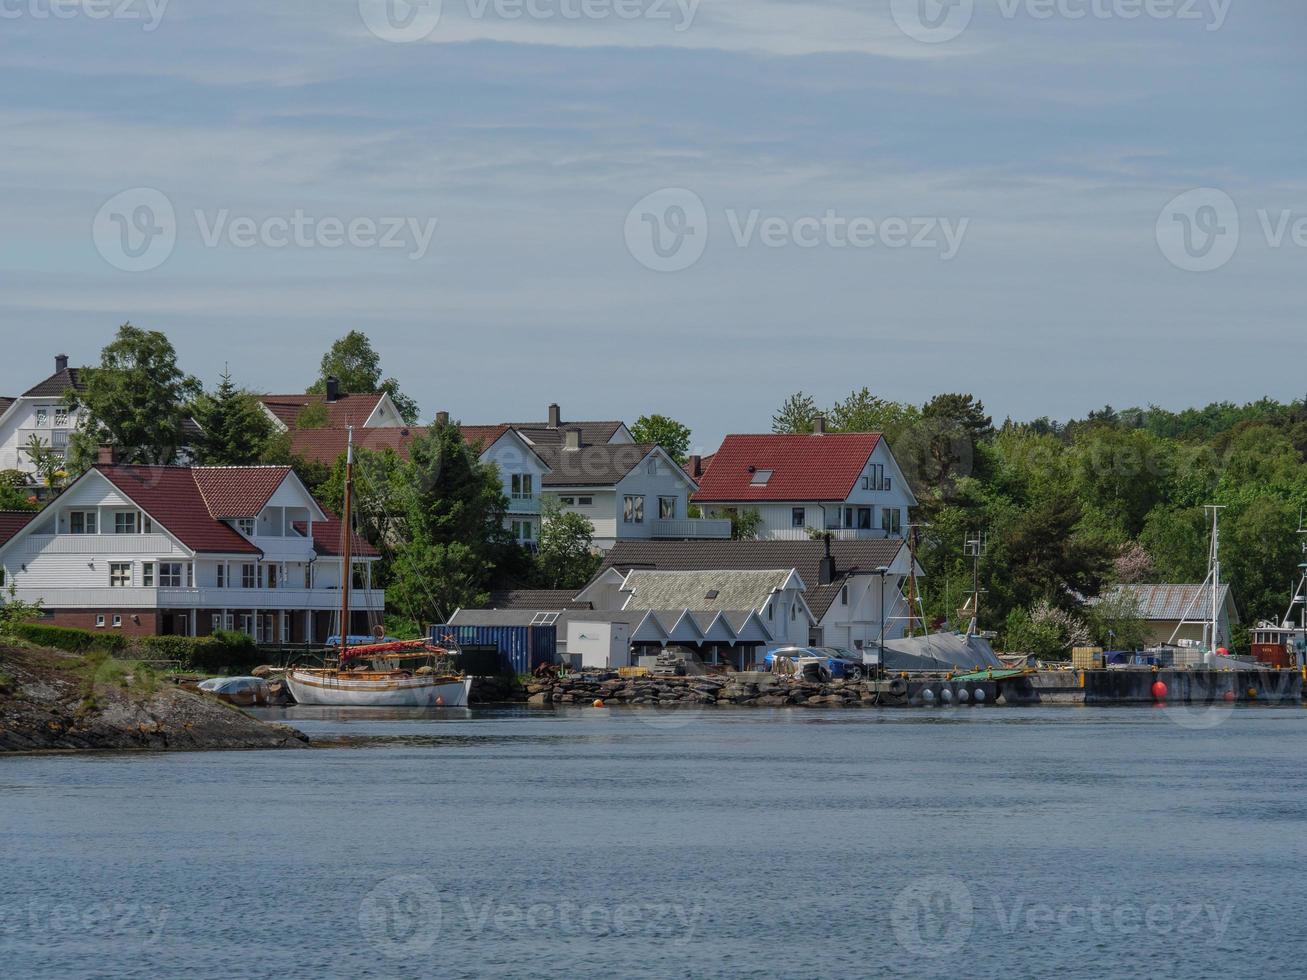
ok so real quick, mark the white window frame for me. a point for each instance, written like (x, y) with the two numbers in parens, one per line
(99, 621)
(667, 500)
(147, 574)
(117, 621)
(249, 576)
(123, 518)
(167, 578)
(90, 519)
(798, 517)
(632, 508)
(42, 416)
(117, 569)
(523, 486)
(247, 526)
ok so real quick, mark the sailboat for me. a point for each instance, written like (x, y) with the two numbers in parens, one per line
(402, 673)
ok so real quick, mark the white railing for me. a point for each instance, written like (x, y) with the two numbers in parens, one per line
(693, 527)
(201, 598)
(837, 534)
(99, 544)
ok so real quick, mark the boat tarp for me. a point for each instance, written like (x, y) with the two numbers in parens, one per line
(941, 651)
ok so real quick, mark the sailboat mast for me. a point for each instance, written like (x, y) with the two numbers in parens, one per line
(346, 540)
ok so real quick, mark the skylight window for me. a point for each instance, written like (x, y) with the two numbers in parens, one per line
(760, 477)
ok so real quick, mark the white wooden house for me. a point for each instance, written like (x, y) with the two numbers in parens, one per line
(186, 550)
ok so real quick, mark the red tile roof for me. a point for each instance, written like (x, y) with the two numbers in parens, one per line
(345, 411)
(326, 539)
(13, 521)
(238, 491)
(328, 445)
(804, 467)
(171, 496)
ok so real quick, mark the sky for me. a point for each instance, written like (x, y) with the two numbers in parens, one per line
(692, 207)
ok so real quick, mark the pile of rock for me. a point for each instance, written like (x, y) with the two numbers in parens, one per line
(752, 688)
(496, 690)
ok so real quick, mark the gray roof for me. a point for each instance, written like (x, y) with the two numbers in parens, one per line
(715, 589)
(58, 383)
(592, 433)
(591, 466)
(541, 599)
(5, 403)
(851, 557)
(1174, 602)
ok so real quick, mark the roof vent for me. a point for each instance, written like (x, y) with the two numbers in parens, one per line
(711, 594)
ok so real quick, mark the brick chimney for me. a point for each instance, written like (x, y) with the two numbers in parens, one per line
(333, 390)
(696, 466)
(555, 416)
(60, 363)
(819, 425)
(107, 455)
(442, 418)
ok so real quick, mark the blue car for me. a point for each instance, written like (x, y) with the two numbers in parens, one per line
(831, 662)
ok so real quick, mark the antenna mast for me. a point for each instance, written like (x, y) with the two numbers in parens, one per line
(974, 548)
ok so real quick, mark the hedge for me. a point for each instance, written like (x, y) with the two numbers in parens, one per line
(224, 652)
(69, 639)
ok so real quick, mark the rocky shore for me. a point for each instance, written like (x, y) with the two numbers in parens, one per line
(56, 702)
(755, 688)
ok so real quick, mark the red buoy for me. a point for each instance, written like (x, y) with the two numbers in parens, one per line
(440, 702)
(1159, 691)
(1222, 651)
(1229, 697)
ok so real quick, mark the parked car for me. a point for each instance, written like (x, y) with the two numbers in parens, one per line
(832, 662)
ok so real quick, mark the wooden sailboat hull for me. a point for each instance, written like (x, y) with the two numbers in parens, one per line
(342, 689)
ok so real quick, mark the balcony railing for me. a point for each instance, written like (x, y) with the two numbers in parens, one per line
(837, 533)
(693, 527)
(200, 598)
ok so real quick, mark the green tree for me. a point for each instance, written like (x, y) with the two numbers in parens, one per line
(862, 411)
(453, 535)
(798, 414)
(666, 432)
(1177, 542)
(49, 465)
(236, 429)
(354, 363)
(1115, 623)
(565, 557)
(14, 492)
(745, 524)
(1260, 555)
(1047, 559)
(137, 400)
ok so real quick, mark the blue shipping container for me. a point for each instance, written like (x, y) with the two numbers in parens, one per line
(521, 648)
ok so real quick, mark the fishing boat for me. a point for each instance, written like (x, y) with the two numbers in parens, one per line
(399, 673)
(1284, 643)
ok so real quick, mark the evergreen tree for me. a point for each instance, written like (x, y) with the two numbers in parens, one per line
(453, 535)
(236, 429)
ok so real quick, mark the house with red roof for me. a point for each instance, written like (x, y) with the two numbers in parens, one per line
(373, 410)
(177, 550)
(847, 483)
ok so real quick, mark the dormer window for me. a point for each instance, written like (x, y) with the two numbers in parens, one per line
(760, 478)
(246, 526)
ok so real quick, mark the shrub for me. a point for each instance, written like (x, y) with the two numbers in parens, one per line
(164, 648)
(69, 639)
(226, 651)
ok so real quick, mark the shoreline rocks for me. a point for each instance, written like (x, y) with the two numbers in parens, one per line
(51, 702)
(743, 689)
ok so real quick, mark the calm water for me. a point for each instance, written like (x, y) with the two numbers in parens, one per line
(973, 842)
